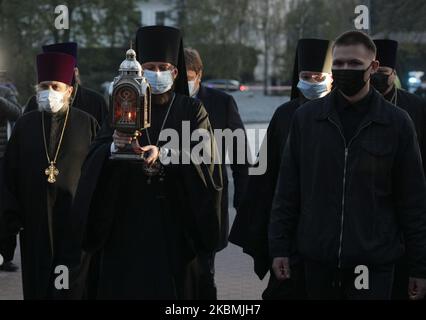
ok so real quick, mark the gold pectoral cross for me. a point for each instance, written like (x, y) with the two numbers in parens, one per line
(51, 172)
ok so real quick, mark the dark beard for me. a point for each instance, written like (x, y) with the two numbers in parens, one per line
(162, 99)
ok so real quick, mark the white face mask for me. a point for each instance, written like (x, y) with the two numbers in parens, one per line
(161, 81)
(50, 100)
(192, 88)
(313, 91)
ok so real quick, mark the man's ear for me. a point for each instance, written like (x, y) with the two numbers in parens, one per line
(70, 90)
(375, 66)
(175, 73)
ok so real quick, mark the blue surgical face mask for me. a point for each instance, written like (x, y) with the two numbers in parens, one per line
(313, 91)
(161, 81)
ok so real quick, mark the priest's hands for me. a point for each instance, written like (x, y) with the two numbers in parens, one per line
(416, 288)
(281, 267)
(121, 139)
(151, 154)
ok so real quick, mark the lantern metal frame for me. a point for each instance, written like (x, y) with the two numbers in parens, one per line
(130, 77)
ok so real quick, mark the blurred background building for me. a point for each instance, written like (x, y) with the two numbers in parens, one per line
(249, 41)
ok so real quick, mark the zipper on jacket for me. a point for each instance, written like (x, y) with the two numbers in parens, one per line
(342, 217)
(343, 208)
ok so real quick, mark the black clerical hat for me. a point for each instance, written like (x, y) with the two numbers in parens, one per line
(64, 47)
(311, 55)
(386, 52)
(163, 44)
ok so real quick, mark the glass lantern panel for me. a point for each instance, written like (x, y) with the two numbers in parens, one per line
(125, 106)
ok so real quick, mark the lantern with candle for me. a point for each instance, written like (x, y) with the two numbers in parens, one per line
(130, 103)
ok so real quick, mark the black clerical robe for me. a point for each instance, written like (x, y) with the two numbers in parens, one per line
(416, 108)
(84, 99)
(223, 114)
(250, 228)
(36, 209)
(142, 236)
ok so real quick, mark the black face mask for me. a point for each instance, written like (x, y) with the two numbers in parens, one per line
(380, 82)
(349, 81)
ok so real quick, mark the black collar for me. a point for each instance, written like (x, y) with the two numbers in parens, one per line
(377, 111)
(361, 106)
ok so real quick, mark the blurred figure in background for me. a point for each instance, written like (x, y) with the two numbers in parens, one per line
(10, 110)
(223, 114)
(311, 80)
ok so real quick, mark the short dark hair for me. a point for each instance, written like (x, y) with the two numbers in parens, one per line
(193, 60)
(355, 37)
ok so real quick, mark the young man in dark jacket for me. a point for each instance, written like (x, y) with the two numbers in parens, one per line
(351, 185)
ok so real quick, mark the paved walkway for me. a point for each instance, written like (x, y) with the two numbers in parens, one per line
(10, 283)
(235, 278)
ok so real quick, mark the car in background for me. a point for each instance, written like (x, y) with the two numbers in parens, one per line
(421, 91)
(414, 80)
(225, 85)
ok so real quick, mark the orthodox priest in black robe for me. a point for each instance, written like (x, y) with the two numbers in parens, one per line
(83, 98)
(42, 167)
(143, 233)
(311, 80)
(384, 82)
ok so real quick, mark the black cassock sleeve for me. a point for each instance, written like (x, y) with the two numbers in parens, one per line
(239, 170)
(286, 204)
(203, 182)
(254, 198)
(250, 228)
